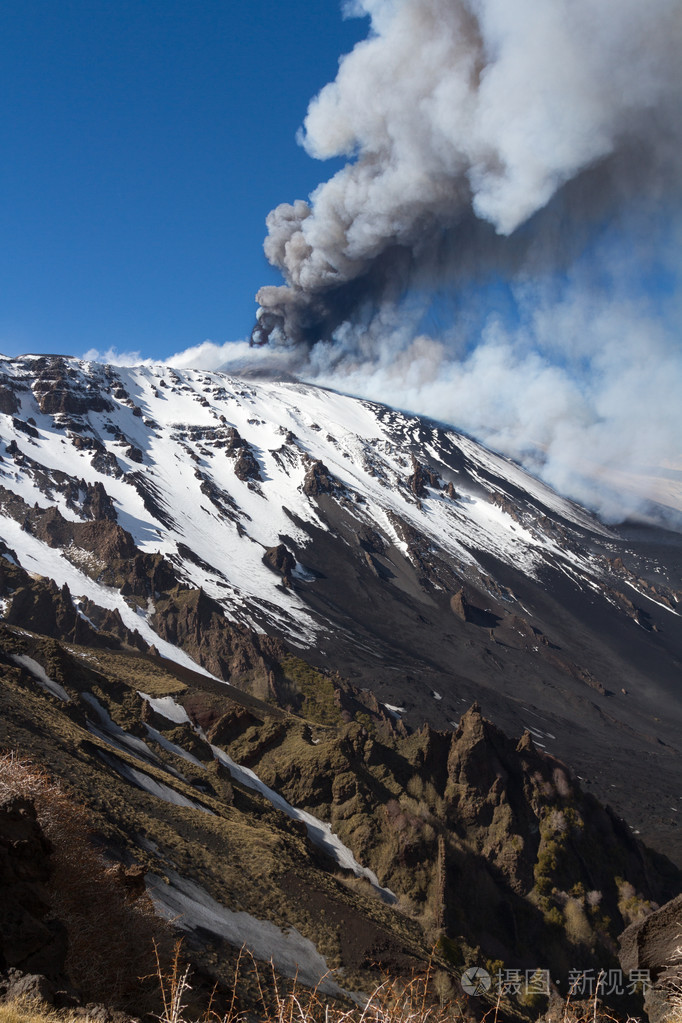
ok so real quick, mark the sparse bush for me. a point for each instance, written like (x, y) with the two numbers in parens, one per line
(578, 929)
(631, 906)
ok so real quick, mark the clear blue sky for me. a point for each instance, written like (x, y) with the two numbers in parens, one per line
(143, 144)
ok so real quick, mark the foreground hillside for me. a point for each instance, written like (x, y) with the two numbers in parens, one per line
(276, 642)
(339, 843)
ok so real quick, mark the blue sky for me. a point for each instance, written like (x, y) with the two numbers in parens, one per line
(144, 142)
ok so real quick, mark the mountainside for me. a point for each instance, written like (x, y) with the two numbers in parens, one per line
(246, 622)
(416, 562)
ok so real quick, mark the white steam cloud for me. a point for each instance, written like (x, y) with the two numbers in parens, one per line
(503, 248)
(530, 142)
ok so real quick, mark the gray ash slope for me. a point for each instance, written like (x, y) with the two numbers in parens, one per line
(384, 546)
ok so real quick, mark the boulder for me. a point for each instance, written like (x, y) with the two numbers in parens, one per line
(654, 945)
(29, 941)
(280, 560)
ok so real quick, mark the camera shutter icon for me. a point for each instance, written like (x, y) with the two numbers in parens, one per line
(476, 981)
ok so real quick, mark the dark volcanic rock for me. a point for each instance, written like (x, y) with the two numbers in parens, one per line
(148, 575)
(111, 631)
(9, 404)
(233, 441)
(422, 478)
(196, 623)
(41, 606)
(493, 837)
(65, 397)
(28, 940)
(319, 480)
(26, 428)
(17, 986)
(105, 462)
(371, 541)
(280, 560)
(97, 504)
(246, 466)
(104, 538)
(134, 453)
(654, 945)
(460, 606)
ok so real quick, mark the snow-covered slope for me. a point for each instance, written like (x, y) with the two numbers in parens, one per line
(212, 471)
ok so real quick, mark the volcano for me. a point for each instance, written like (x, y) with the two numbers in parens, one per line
(227, 596)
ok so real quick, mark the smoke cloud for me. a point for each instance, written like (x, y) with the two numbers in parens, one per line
(501, 249)
(459, 107)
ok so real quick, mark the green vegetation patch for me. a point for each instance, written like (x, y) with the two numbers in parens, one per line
(317, 700)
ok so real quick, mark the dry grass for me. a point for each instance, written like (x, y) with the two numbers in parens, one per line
(111, 933)
(675, 1015)
(394, 1001)
(26, 1011)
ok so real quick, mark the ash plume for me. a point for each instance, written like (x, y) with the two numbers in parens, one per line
(502, 248)
(458, 110)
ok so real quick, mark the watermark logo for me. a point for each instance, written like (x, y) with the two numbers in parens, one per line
(476, 981)
(581, 983)
(607, 982)
(523, 982)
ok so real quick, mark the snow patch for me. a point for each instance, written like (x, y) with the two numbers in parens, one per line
(168, 708)
(190, 907)
(40, 676)
(171, 747)
(151, 785)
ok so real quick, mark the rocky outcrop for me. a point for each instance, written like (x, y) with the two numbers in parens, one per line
(27, 428)
(280, 560)
(460, 607)
(232, 441)
(196, 623)
(102, 536)
(147, 575)
(318, 480)
(246, 466)
(106, 462)
(97, 504)
(371, 541)
(9, 403)
(42, 606)
(490, 836)
(421, 478)
(59, 391)
(654, 946)
(111, 631)
(134, 453)
(30, 942)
